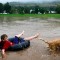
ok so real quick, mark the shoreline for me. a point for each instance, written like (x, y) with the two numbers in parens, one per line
(57, 16)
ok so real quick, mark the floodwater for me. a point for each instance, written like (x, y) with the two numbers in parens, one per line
(48, 28)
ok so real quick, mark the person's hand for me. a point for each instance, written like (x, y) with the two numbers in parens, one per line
(3, 56)
(3, 53)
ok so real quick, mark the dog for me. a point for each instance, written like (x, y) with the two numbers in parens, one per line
(53, 45)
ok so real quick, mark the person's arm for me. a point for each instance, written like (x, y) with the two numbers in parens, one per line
(3, 53)
(20, 34)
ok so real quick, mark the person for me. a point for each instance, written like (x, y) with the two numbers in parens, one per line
(5, 43)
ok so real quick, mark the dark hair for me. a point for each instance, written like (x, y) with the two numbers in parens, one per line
(3, 36)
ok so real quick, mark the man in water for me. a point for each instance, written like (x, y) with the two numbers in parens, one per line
(5, 43)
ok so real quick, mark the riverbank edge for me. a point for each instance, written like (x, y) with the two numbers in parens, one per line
(33, 15)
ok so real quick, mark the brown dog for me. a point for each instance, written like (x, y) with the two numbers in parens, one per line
(53, 45)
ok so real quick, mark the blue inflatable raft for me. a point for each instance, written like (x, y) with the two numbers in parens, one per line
(20, 46)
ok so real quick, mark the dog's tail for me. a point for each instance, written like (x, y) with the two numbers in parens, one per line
(44, 41)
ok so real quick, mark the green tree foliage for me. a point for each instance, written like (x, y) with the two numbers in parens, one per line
(26, 10)
(1, 8)
(42, 10)
(33, 9)
(20, 10)
(58, 9)
(46, 10)
(7, 8)
(36, 9)
(13, 10)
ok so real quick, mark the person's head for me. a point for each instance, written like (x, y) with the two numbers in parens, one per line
(4, 37)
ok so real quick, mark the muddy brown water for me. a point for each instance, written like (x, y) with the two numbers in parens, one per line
(48, 28)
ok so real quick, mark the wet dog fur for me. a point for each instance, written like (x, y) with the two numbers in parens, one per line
(53, 44)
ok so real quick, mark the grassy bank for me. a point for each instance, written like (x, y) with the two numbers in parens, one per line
(33, 15)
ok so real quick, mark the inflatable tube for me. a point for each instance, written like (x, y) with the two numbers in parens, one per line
(19, 46)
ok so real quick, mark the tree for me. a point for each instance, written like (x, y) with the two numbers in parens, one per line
(26, 10)
(13, 10)
(46, 11)
(58, 9)
(1, 8)
(20, 10)
(7, 8)
(36, 9)
(42, 10)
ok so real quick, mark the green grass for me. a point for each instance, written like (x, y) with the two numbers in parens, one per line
(33, 15)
